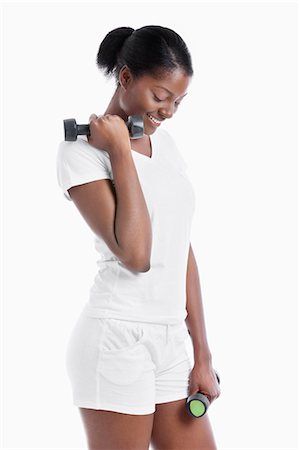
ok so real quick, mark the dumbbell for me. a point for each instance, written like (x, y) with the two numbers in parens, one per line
(198, 403)
(72, 130)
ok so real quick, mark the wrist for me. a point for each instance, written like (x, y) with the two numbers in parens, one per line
(120, 148)
(203, 357)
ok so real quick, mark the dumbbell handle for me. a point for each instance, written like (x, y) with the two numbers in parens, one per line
(83, 129)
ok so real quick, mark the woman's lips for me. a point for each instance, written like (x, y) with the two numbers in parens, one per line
(160, 120)
(154, 124)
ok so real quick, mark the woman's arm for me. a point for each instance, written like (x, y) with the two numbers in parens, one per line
(133, 230)
(195, 318)
(118, 214)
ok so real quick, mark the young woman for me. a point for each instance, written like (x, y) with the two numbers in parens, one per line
(126, 357)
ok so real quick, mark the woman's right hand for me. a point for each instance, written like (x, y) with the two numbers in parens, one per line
(108, 132)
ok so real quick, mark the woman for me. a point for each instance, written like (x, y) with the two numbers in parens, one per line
(126, 357)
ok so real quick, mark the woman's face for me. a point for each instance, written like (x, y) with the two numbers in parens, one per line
(147, 95)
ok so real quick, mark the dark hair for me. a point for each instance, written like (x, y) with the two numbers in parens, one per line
(150, 50)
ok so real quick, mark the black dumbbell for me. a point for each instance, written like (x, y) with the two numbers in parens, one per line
(72, 130)
(198, 403)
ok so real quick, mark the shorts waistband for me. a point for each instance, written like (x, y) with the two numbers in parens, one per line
(166, 329)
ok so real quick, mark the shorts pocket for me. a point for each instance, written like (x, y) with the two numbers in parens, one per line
(125, 367)
(119, 336)
(122, 357)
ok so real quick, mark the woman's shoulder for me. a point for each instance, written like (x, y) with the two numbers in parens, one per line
(81, 148)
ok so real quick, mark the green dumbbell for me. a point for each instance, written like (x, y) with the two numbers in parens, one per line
(198, 403)
(72, 130)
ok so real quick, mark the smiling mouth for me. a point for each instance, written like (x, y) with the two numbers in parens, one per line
(154, 119)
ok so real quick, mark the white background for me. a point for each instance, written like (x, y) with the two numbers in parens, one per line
(237, 130)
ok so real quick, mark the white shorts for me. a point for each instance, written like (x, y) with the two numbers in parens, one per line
(127, 366)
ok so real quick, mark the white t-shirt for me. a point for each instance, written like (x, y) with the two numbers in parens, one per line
(158, 295)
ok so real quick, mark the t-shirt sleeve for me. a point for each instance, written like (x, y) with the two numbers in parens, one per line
(78, 162)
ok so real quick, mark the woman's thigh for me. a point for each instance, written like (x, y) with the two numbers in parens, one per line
(106, 430)
(186, 432)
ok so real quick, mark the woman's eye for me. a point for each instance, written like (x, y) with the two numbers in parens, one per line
(159, 100)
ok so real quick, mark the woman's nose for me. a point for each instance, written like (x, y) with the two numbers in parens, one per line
(166, 113)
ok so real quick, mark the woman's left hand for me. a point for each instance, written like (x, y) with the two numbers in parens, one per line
(203, 379)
